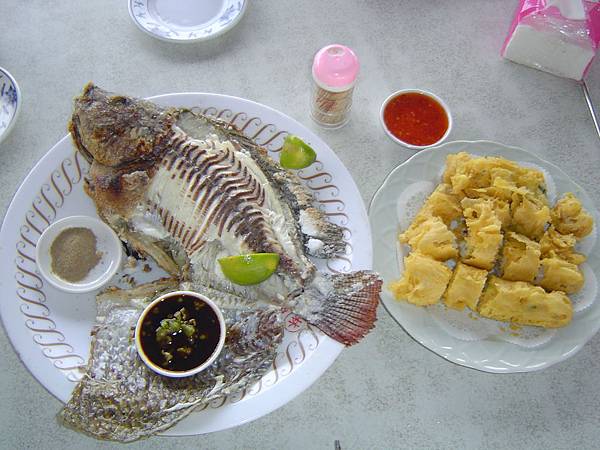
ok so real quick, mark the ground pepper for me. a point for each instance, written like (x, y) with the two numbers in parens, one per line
(74, 254)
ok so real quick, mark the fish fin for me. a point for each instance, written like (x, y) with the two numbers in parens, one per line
(323, 239)
(347, 310)
(147, 246)
(145, 290)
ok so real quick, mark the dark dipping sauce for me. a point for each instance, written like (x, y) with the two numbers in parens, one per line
(180, 333)
(415, 118)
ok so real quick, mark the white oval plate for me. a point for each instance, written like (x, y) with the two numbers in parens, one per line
(186, 20)
(457, 336)
(10, 102)
(50, 329)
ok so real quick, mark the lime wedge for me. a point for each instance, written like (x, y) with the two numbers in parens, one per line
(296, 154)
(249, 269)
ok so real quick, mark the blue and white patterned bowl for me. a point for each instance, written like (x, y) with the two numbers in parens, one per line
(10, 102)
(186, 20)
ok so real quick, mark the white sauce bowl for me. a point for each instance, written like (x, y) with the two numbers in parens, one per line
(172, 373)
(107, 243)
(416, 91)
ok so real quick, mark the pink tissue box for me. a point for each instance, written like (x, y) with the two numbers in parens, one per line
(556, 36)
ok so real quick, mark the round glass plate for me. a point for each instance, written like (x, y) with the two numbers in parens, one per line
(50, 329)
(186, 20)
(464, 337)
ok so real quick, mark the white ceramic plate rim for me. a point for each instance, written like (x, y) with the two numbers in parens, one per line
(184, 40)
(268, 400)
(420, 334)
(15, 116)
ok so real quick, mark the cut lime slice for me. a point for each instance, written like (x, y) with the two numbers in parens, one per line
(249, 269)
(296, 154)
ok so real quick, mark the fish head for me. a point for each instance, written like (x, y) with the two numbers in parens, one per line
(115, 130)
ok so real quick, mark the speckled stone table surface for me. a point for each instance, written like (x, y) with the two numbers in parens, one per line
(387, 392)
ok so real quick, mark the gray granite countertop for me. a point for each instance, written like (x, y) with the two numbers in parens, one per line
(387, 392)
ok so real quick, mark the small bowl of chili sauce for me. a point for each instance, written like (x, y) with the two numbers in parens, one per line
(180, 334)
(415, 118)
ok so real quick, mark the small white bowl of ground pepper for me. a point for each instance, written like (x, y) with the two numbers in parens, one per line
(78, 254)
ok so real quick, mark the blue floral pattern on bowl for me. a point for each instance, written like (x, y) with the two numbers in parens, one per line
(146, 16)
(10, 101)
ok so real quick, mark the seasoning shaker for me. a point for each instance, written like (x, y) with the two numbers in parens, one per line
(335, 68)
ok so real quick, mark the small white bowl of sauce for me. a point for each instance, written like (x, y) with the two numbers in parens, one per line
(416, 118)
(180, 334)
(78, 254)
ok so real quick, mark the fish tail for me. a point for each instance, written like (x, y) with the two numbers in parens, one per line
(347, 309)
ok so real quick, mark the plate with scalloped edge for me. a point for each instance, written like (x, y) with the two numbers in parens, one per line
(464, 337)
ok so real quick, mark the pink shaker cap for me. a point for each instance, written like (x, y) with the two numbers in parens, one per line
(335, 68)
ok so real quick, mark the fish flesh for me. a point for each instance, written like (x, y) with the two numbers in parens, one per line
(186, 190)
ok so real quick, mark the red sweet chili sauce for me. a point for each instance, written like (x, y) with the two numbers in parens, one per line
(415, 118)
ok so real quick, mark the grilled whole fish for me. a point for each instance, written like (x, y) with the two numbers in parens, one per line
(186, 190)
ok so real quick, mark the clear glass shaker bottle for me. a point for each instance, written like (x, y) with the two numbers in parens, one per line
(335, 68)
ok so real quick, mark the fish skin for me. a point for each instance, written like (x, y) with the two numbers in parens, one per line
(120, 399)
(186, 190)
